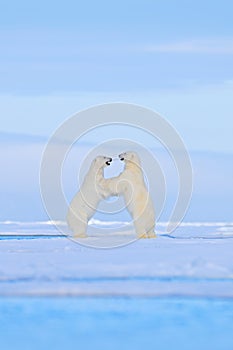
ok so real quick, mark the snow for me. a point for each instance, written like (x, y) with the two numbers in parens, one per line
(195, 260)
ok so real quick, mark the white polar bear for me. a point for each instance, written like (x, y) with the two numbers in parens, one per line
(130, 183)
(85, 202)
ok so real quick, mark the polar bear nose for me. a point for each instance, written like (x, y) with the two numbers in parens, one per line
(121, 157)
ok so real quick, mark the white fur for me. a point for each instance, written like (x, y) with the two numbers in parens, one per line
(130, 183)
(85, 202)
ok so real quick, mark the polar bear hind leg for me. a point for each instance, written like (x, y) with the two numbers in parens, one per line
(80, 228)
(141, 231)
(78, 225)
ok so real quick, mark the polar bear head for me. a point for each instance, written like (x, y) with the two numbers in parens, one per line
(101, 162)
(130, 158)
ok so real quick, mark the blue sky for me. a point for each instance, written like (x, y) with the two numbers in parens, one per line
(173, 56)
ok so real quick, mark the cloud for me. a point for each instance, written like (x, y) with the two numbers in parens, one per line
(195, 46)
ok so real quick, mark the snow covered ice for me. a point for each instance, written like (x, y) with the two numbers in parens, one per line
(57, 293)
(195, 260)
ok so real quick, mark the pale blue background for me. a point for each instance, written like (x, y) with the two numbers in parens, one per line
(175, 57)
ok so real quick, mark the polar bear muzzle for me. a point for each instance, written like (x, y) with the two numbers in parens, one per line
(108, 161)
(121, 156)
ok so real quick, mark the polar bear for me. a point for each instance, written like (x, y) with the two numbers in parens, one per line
(130, 183)
(85, 202)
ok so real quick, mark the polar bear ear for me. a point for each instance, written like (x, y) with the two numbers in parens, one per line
(95, 160)
(98, 158)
